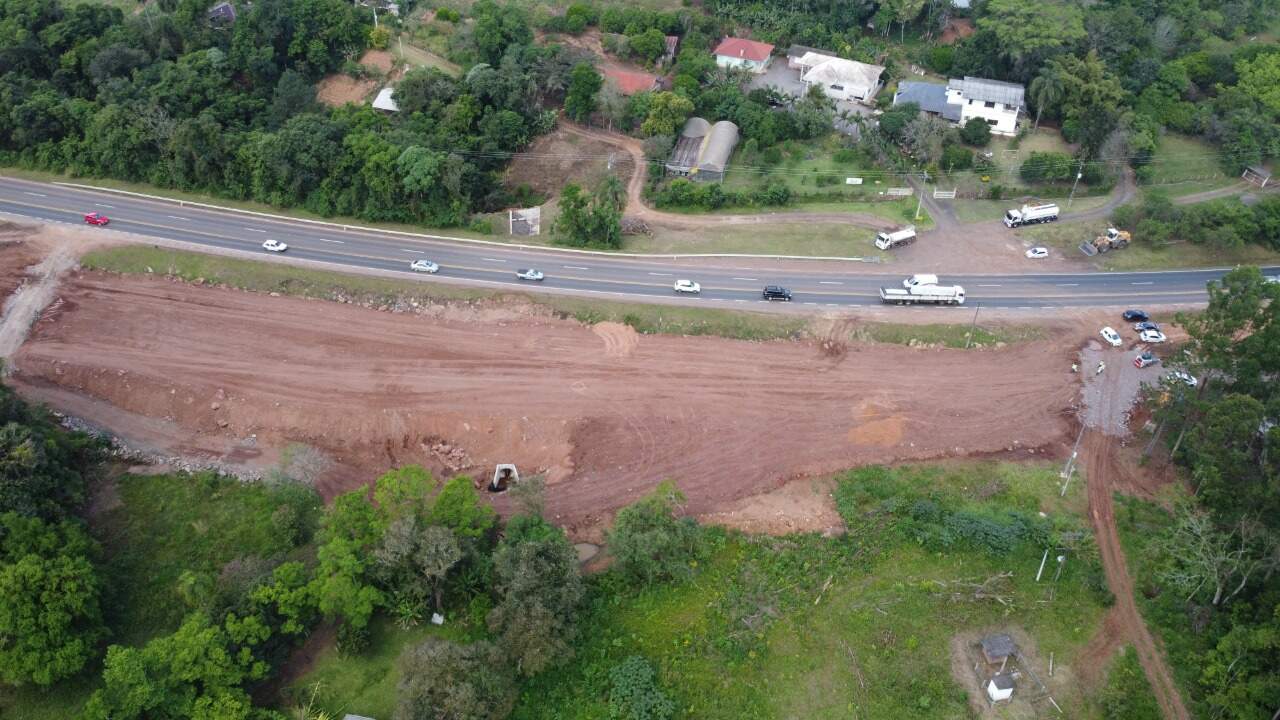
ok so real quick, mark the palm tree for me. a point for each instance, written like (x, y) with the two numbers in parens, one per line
(1046, 89)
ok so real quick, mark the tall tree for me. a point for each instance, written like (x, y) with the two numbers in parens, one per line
(1030, 32)
(584, 86)
(1046, 90)
(50, 621)
(443, 680)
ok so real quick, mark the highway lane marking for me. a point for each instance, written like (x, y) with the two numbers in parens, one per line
(1198, 294)
(661, 274)
(492, 260)
(35, 194)
(574, 267)
(175, 217)
(829, 282)
(255, 230)
(109, 207)
(1143, 283)
(420, 252)
(338, 242)
(748, 279)
(833, 304)
(1068, 284)
(809, 303)
(988, 286)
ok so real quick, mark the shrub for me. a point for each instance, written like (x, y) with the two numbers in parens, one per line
(774, 193)
(976, 132)
(650, 542)
(845, 155)
(634, 693)
(941, 58)
(578, 17)
(379, 37)
(484, 226)
(448, 14)
(956, 157)
(1047, 167)
(772, 155)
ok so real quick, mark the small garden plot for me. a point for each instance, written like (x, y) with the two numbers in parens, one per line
(818, 167)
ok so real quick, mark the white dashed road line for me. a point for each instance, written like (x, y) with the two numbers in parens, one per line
(493, 260)
(255, 230)
(1143, 283)
(35, 194)
(748, 279)
(420, 252)
(1068, 284)
(829, 282)
(574, 267)
(661, 274)
(337, 242)
(175, 217)
(109, 207)
(988, 286)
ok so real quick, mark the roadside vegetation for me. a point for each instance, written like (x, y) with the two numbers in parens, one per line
(1205, 560)
(405, 295)
(1221, 232)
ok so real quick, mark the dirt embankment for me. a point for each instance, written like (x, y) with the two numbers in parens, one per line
(604, 413)
(16, 256)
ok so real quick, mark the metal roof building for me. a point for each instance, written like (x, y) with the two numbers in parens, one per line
(386, 100)
(982, 90)
(930, 97)
(703, 150)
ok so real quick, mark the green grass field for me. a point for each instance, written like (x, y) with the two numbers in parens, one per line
(1067, 237)
(806, 626)
(1185, 165)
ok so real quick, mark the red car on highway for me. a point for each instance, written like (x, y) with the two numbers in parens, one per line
(94, 218)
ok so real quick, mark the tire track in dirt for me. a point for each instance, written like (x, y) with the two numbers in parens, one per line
(1099, 460)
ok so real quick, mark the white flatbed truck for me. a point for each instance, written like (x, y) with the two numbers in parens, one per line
(923, 295)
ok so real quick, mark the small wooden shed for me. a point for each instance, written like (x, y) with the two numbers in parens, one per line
(1000, 688)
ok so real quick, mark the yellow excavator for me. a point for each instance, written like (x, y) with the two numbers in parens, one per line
(1113, 240)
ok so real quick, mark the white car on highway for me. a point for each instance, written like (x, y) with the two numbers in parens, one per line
(1038, 253)
(1111, 336)
(1152, 336)
(529, 274)
(425, 266)
(687, 286)
(274, 246)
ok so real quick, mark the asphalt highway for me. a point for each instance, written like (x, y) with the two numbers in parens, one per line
(815, 283)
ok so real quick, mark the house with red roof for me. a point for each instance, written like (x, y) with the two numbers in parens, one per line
(628, 82)
(743, 53)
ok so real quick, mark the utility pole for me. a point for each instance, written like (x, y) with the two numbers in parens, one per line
(1074, 185)
(1069, 468)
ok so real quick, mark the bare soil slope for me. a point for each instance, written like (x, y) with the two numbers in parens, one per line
(605, 413)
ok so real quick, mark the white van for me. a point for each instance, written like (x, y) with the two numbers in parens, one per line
(920, 281)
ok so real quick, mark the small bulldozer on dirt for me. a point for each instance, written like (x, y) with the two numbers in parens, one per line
(1113, 240)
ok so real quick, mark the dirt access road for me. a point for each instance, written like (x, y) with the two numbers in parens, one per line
(605, 413)
(1100, 452)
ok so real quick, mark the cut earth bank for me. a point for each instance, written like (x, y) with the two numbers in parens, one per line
(603, 412)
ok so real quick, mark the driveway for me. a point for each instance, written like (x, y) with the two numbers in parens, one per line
(787, 81)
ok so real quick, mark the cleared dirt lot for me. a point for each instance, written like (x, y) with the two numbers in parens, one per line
(605, 413)
(15, 257)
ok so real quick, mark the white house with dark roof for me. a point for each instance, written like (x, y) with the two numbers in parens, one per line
(998, 103)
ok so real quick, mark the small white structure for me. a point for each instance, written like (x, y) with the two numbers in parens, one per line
(386, 100)
(1257, 175)
(840, 79)
(998, 103)
(1000, 688)
(742, 53)
(504, 476)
